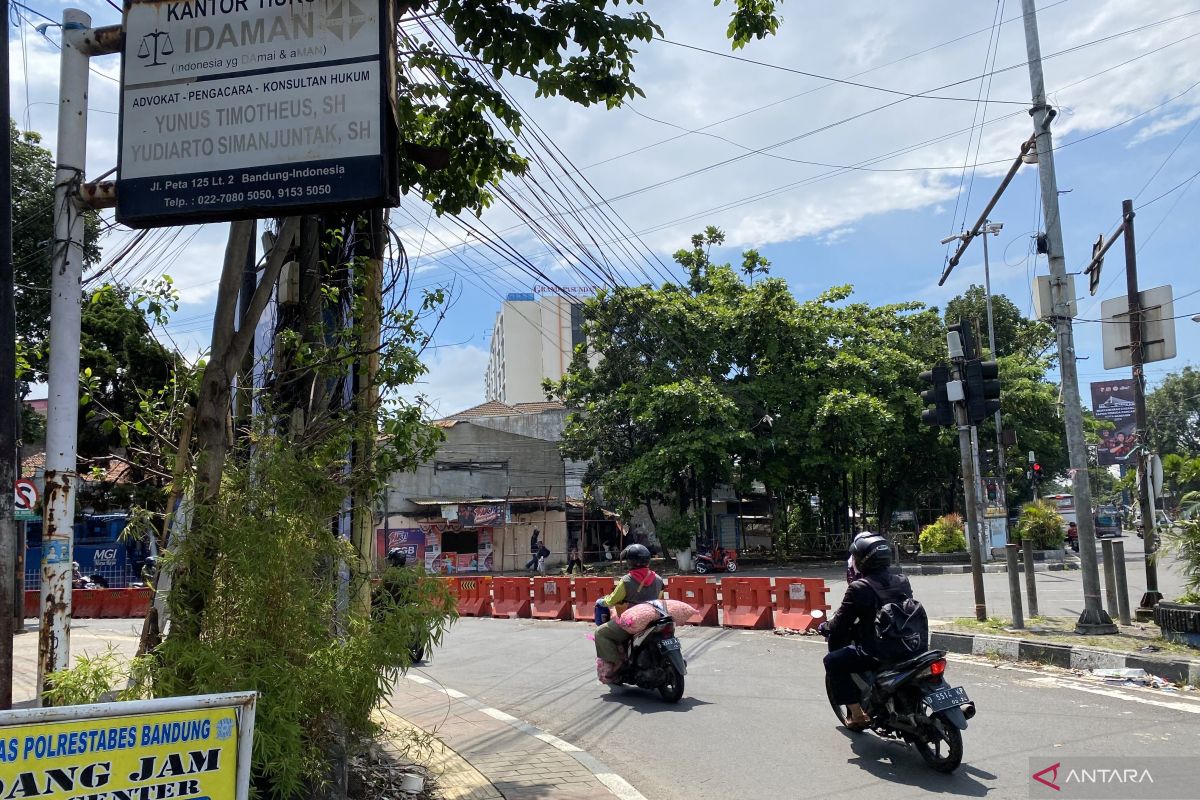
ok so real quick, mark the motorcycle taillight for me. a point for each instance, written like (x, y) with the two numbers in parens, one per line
(667, 630)
(938, 667)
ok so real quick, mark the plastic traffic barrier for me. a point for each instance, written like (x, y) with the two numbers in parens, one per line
(795, 601)
(32, 599)
(746, 603)
(552, 598)
(474, 595)
(140, 600)
(87, 603)
(587, 592)
(114, 603)
(510, 598)
(699, 593)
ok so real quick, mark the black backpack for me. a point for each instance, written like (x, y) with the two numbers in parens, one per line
(901, 627)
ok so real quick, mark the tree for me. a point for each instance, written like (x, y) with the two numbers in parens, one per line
(33, 232)
(1174, 413)
(1014, 333)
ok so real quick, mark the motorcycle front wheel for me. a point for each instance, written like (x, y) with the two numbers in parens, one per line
(701, 567)
(839, 710)
(940, 745)
(672, 691)
(731, 566)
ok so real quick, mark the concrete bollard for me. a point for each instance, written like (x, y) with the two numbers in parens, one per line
(1122, 583)
(1014, 585)
(1110, 577)
(1030, 580)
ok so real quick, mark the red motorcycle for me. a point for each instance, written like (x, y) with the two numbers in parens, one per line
(717, 560)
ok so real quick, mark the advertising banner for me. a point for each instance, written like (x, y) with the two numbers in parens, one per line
(486, 557)
(183, 747)
(433, 550)
(480, 515)
(466, 562)
(239, 109)
(1113, 401)
(410, 541)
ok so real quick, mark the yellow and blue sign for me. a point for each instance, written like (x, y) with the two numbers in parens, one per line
(145, 750)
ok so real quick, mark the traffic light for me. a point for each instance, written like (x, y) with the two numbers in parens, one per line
(1036, 471)
(963, 329)
(982, 389)
(942, 412)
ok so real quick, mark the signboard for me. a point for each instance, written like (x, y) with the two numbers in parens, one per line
(25, 498)
(486, 554)
(181, 747)
(480, 515)
(1158, 328)
(1113, 401)
(254, 108)
(410, 541)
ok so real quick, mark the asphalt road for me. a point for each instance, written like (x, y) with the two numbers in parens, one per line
(755, 723)
(1059, 593)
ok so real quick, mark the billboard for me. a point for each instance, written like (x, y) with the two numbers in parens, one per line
(187, 747)
(1113, 401)
(240, 109)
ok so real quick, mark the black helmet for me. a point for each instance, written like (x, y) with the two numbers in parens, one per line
(637, 555)
(871, 553)
(396, 557)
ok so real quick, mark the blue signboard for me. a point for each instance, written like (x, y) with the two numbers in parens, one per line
(255, 109)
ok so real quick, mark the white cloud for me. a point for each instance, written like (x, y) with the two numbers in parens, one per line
(454, 381)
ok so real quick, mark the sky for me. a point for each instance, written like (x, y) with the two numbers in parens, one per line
(1122, 76)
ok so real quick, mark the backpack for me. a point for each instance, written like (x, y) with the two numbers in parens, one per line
(901, 627)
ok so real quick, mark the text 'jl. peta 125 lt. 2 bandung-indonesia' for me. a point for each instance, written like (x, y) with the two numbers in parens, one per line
(232, 106)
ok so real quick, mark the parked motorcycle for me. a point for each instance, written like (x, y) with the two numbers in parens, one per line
(653, 658)
(719, 560)
(911, 702)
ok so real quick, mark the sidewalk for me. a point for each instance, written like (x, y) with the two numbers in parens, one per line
(515, 759)
(98, 636)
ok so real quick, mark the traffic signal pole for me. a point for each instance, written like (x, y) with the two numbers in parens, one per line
(1094, 619)
(970, 495)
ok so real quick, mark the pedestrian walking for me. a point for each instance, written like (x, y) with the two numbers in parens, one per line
(533, 550)
(573, 560)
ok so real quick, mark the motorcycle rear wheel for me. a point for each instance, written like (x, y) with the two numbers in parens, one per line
(944, 753)
(672, 692)
(731, 566)
(702, 567)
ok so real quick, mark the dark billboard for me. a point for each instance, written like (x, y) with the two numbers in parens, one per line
(1113, 402)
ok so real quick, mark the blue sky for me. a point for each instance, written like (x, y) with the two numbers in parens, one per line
(876, 230)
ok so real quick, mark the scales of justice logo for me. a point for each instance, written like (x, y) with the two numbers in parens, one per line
(154, 44)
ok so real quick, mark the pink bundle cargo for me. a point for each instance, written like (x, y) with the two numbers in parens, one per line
(637, 618)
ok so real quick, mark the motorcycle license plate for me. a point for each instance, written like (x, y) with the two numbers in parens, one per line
(946, 698)
(670, 644)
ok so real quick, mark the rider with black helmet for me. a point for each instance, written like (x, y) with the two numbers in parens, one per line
(851, 630)
(639, 585)
(396, 557)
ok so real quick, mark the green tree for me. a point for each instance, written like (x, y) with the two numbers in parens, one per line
(33, 233)
(1173, 409)
(1014, 333)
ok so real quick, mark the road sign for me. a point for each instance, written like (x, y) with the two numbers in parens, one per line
(1158, 327)
(25, 496)
(250, 108)
(1093, 270)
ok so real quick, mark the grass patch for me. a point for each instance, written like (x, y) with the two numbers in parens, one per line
(1135, 639)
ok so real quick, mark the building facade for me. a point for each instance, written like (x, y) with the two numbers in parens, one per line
(534, 338)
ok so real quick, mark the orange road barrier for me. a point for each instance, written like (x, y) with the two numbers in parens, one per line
(114, 604)
(699, 593)
(474, 595)
(552, 598)
(32, 598)
(87, 603)
(587, 592)
(140, 600)
(795, 601)
(746, 603)
(510, 598)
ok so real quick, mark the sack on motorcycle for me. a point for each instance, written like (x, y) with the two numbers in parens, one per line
(637, 618)
(901, 631)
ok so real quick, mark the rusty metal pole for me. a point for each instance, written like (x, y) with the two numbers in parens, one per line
(9, 469)
(54, 611)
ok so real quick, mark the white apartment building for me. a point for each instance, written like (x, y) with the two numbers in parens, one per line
(534, 338)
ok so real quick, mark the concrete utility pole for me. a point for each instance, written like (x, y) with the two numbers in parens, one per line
(1136, 353)
(1093, 619)
(66, 266)
(8, 395)
(994, 229)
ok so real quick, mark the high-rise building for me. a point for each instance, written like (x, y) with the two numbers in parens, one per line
(534, 338)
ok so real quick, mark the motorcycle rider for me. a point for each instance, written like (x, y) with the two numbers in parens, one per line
(851, 630)
(852, 572)
(640, 585)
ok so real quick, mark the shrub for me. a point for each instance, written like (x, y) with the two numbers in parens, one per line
(1183, 540)
(944, 536)
(677, 531)
(1041, 524)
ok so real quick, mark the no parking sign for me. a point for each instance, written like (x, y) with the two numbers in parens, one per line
(25, 497)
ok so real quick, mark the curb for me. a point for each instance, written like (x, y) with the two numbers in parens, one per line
(455, 775)
(1175, 670)
(619, 787)
(961, 569)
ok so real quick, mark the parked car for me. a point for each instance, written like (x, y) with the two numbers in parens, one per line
(1161, 522)
(1107, 522)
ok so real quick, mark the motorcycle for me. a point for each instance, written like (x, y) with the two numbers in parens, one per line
(911, 702)
(653, 658)
(720, 560)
